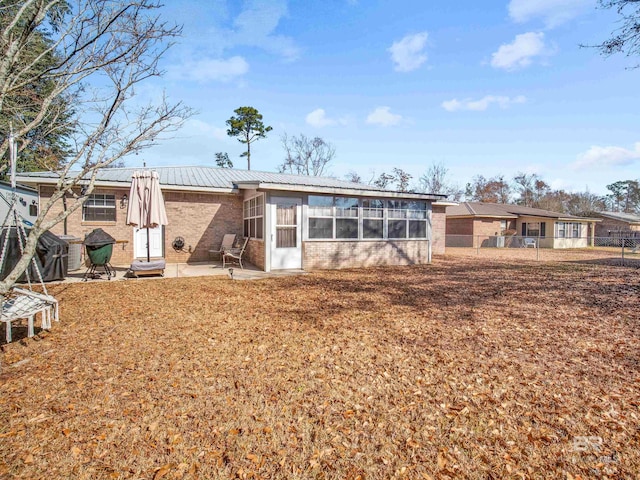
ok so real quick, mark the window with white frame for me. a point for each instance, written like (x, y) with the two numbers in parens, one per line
(253, 214)
(320, 213)
(417, 215)
(346, 217)
(397, 218)
(340, 218)
(372, 219)
(99, 207)
(575, 230)
(567, 230)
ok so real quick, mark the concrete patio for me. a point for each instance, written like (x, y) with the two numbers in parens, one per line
(177, 270)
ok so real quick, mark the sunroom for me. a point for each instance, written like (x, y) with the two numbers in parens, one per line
(291, 229)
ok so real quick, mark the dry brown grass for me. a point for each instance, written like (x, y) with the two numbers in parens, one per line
(594, 255)
(461, 369)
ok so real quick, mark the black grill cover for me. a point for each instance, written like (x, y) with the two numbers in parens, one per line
(51, 256)
(98, 238)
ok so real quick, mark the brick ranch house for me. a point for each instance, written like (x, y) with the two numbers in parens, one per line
(292, 221)
(471, 222)
(618, 224)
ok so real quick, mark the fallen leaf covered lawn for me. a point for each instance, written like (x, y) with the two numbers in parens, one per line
(461, 369)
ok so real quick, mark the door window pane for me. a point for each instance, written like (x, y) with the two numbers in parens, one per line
(286, 237)
(286, 215)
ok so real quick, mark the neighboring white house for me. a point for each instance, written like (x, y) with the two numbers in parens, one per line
(27, 203)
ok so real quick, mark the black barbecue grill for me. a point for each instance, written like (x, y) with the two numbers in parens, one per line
(99, 247)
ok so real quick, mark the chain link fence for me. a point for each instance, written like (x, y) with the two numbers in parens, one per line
(597, 250)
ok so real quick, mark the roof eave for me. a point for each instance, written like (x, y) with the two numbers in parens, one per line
(483, 216)
(337, 191)
(619, 219)
(579, 219)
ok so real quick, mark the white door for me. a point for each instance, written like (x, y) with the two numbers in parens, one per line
(156, 241)
(286, 238)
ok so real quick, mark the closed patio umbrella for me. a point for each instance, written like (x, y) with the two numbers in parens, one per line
(146, 205)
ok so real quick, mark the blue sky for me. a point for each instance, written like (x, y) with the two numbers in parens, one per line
(489, 88)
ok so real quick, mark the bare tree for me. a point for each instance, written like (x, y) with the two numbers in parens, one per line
(353, 176)
(435, 181)
(585, 204)
(402, 179)
(383, 180)
(103, 50)
(625, 39)
(306, 156)
(492, 190)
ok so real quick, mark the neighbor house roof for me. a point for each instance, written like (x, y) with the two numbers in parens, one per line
(230, 180)
(503, 210)
(630, 218)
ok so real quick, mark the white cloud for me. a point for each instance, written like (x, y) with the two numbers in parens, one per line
(552, 12)
(198, 127)
(608, 157)
(408, 54)
(210, 69)
(481, 104)
(318, 118)
(521, 52)
(256, 24)
(383, 116)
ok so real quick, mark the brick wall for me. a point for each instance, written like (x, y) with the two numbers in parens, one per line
(464, 232)
(610, 225)
(439, 229)
(200, 218)
(459, 226)
(340, 254)
(255, 253)
(487, 227)
(122, 254)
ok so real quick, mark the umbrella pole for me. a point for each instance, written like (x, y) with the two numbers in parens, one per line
(148, 246)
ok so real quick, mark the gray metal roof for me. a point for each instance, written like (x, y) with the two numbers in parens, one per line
(623, 217)
(217, 178)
